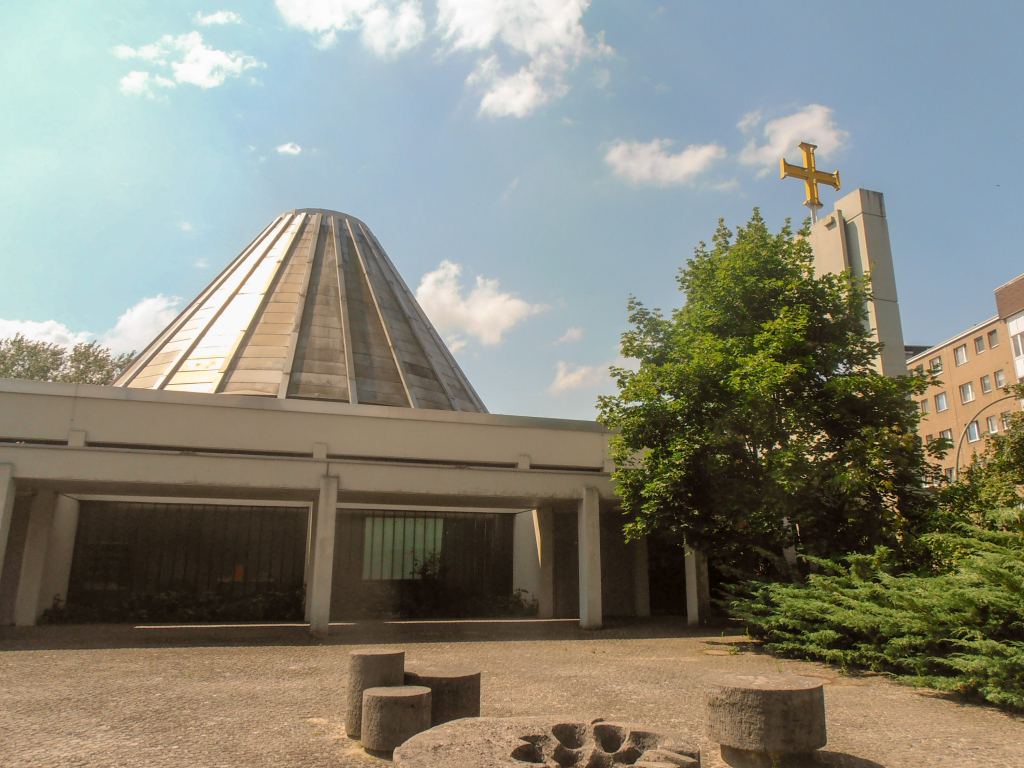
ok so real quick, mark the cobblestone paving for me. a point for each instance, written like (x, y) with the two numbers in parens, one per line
(270, 696)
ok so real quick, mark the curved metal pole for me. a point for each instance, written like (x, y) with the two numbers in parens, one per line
(960, 443)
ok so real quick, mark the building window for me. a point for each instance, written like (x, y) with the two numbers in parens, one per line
(993, 425)
(973, 432)
(1005, 418)
(960, 354)
(941, 404)
(946, 434)
(979, 345)
(935, 365)
(1018, 346)
(925, 407)
(397, 548)
(950, 474)
(993, 338)
(1000, 379)
(986, 384)
(967, 392)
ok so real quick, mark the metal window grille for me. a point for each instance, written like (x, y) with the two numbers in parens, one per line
(128, 547)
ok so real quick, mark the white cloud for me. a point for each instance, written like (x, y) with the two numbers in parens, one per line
(220, 17)
(573, 334)
(602, 78)
(387, 27)
(510, 189)
(136, 84)
(291, 148)
(456, 343)
(202, 264)
(547, 32)
(651, 163)
(812, 124)
(725, 186)
(749, 121)
(140, 324)
(569, 376)
(49, 331)
(185, 226)
(198, 65)
(485, 313)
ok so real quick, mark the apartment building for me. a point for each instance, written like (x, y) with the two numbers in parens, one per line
(974, 367)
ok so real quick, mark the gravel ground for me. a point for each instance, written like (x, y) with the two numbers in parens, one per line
(271, 696)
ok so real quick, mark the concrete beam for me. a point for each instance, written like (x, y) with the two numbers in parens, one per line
(589, 529)
(164, 473)
(7, 488)
(323, 558)
(33, 561)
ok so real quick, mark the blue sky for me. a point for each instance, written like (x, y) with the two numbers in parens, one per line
(527, 163)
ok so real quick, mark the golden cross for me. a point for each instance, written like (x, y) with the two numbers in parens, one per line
(811, 176)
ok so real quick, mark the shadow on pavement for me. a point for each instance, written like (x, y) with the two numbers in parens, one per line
(97, 636)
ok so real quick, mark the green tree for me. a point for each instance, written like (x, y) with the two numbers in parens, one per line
(988, 493)
(757, 416)
(21, 358)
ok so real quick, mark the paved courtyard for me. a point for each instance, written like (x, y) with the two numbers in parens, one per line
(270, 696)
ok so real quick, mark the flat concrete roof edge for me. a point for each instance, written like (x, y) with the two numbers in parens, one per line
(252, 402)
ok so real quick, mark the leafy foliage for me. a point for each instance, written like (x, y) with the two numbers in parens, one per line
(21, 358)
(960, 631)
(756, 409)
(184, 607)
(953, 619)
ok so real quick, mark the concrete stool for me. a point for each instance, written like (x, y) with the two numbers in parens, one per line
(370, 668)
(454, 691)
(391, 716)
(763, 720)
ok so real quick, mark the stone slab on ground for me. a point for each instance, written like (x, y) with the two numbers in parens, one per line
(554, 741)
(271, 697)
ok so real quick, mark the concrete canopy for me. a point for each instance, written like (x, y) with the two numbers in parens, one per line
(312, 309)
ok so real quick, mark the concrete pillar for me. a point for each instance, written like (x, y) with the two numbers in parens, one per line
(698, 591)
(544, 524)
(33, 559)
(533, 557)
(525, 555)
(307, 579)
(641, 580)
(589, 521)
(7, 489)
(323, 558)
(60, 548)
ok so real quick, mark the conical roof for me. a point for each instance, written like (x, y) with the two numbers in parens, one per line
(314, 309)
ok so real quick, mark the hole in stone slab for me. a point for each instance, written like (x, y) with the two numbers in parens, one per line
(627, 755)
(567, 758)
(570, 735)
(595, 758)
(642, 740)
(609, 737)
(528, 753)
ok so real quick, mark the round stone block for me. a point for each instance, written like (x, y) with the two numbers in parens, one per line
(391, 716)
(454, 691)
(777, 714)
(369, 668)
